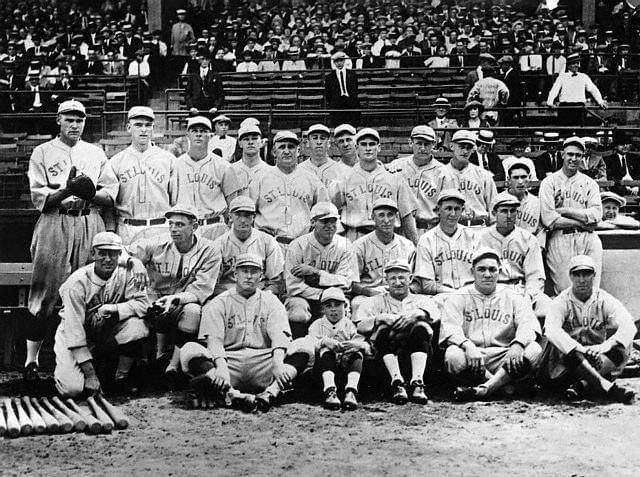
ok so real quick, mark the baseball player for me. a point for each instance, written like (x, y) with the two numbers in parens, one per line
(399, 322)
(339, 348)
(367, 181)
(250, 164)
(612, 219)
(570, 207)
(528, 214)
(443, 254)
(475, 183)
(182, 269)
(147, 178)
(423, 174)
(376, 249)
(489, 332)
(247, 338)
(243, 238)
(221, 140)
(70, 216)
(318, 260)
(102, 313)
(319, 162)
(522, 267)
(206, 182)
(343, 137)
(590, 334)
(284, 194)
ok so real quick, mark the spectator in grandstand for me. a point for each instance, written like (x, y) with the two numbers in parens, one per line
(473, 120)
(551, 159)
(294, 63)
(391, 52)
(593, 163)
(511, 78)
(441, 122)
(192, 63)
(611, 217)
(247, 65)
(139, 72)
(441, 60)
(270, 61)
(411, 53)
(204, 90)
(623, 164)
(113, 66)
(181, 34)
(341, 92)
(491, 92)
(367, 60)
(556, 63)
(459, 55)
(484, 156)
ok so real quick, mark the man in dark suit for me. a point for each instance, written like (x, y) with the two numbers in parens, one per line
(341, 92)
(623, 164)
(93, 65)
(550, 160)
(485, 157)
(204, 89)
(511, 78)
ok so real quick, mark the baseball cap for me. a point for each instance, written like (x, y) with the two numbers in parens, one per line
(324, 210)
(450, 194)
(463, 136)
(107, 241)
(484, 252)
(286, 136)
(72, 106)
(248, 260)
(607, 195)
(397, 264)
(180, 209)
(333, 293)
(198, 121)
(181, 11)
(319, 128)
(367, 132)
(141, 111)
(221, 117)
(242, 203)
(519, 165)
(581, 262)
(344, 129)
(504, 198)
(574, 141)
(249, 129)
(384, 202)
(424, 132)
(249, 121)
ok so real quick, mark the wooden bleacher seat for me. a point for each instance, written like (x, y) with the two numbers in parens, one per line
(17, 275)
(115, 145)
(236, 102)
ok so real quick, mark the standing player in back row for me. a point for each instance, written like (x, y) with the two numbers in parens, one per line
(423, 174)
(69, 219)
(250, 164)
(528, 215)
(368, 181)
(319, 162)
(147, 179)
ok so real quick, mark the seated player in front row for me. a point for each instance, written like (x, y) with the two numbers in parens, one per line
(102, 311)
(489, 332)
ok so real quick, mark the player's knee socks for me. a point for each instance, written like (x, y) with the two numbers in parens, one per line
(418, 365)
(419, 340)
(617, 354)
(577, 362)
(200, 365)
(393, 367)
(327, 362)
(182, 337)
(297, 360)
(353, 380)
(328, 380)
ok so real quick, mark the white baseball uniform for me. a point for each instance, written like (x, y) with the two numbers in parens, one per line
(329, 173)
(580, 192)
(227, 146)
(147, 190)
(476, 185)
(377, 305)
(246, 174)
(528, 218)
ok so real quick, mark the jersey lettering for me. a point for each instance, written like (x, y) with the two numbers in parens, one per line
(513, 256)
(56, 169)
(470, 186)
(274, 194)
(133, 172)
(426, 187)
(202, 178)
(378, 190)
(490, 314)
(459, 255)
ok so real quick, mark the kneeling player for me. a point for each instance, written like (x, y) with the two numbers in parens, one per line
(102, 310)
(340, 348)
(398, 322)
(489, 331)
(247, 335)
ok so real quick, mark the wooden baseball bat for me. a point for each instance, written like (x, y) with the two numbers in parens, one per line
(79, 424)
(65, 424)
(105, 421)
(38, 423)
(93, 426)
(49, 420)
(26, 426)
(13, 426)
(121, 421)
(3, 423)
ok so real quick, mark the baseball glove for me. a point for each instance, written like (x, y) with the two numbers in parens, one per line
(80, 185)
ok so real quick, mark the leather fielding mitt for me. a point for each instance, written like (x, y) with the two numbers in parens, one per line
(80, 185)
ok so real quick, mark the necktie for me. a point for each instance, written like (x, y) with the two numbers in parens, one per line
(485, 162)
(343, 86)
(529, 61)
(623, 161)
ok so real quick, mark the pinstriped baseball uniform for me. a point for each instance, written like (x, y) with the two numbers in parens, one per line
(444, 259)
(424, 181)
(475, 183)
(528, 215)
(329, 173)
(374, 306)
(246, 174)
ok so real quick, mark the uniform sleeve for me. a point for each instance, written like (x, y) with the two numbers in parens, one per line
(490, 191)
(451, 332)
(173, 181)
(107, 180)
(315, 330)
(368, 309)
(617, 317)
(553, 322)
(424, 261)
(38, 182)
(230, 182)
(73, 314)
(533, 268)
(295, 285)
(274, 259)
(136, 301)
(407, 202)
(594, 204)
(278, 328)
(527, 325)
(212, 327)
(546, 195)
(205, 277)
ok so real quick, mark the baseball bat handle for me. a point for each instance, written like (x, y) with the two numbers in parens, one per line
(3, 422)
(39, 425)
(13, 426)
(79, 424)
(50, 421)
(119, 418)
(101, 415)
(93, 426)
(65, 423)
(26, 426)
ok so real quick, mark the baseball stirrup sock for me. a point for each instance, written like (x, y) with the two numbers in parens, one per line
(418, 365)
(353, 380)
(33, 351)
(124, 366)
(393, 367)
(328, 380)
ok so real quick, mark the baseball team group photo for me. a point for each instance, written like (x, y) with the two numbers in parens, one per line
(320, 238)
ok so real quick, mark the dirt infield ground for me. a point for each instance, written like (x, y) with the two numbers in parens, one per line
(535, 437)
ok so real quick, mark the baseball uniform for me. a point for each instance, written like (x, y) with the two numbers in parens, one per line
(601, 319)
(147, 190)
(376, 305)
(284, 201)
(477, 186)
(580, 192)
(446, 260)
(81, 293)
(258, 243)
(61, 242)
(425, 182)
(357, 192)
(329, 173)
(528, 218)
(244, 331)
(492, 322)
(227, 146)
(246, 174)
(508, 161)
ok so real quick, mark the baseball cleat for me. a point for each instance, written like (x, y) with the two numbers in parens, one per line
(417, 393)
(264, 401)
(620, 394)
(399, 392)
(30, 372)
(350, 402)
(245, 402)
(331, 400)
(465, 394)
(575, 392)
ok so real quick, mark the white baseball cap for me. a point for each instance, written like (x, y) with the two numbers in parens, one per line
(198, 121)
(319, 128)
(249, 129)
(367, 132)
(581, 262)
(107, 241)
(484, 252)
(141, 111)
(424, 132)
(463, 136)
(344, 129)
(286, 136)
(333, 293)
(72, 106)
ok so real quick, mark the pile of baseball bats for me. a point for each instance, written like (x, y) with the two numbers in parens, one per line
(29, 415)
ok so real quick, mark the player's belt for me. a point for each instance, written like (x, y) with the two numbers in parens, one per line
(573, 230)
(212, 220)
(284, 240)
(145, 222)
(74, 212)
(426, 223)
